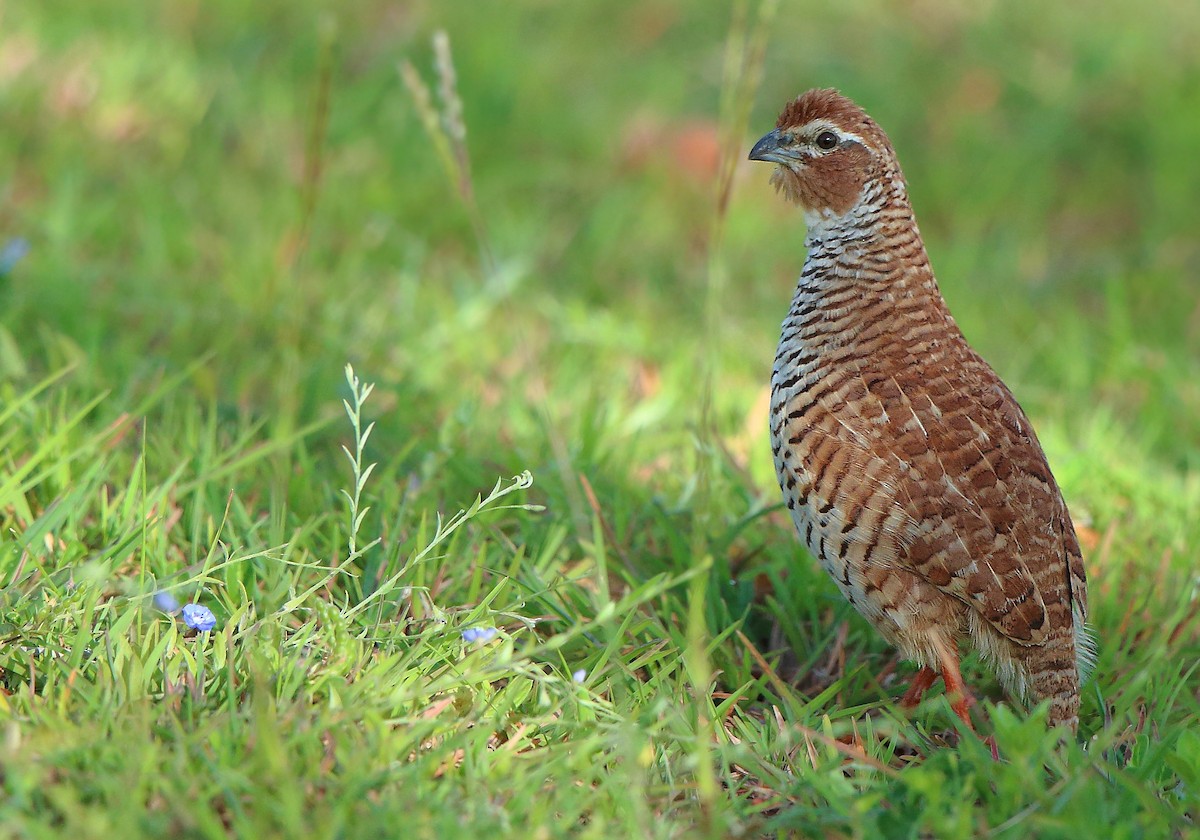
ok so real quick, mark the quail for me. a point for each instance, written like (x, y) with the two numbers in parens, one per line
(909, 469)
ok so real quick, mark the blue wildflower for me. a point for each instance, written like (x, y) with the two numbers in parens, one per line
(199, 617)
(580, 675)
(11, 254)
(479, 634)
(166, 602)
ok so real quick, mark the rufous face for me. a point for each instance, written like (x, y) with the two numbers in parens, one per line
(827, 150)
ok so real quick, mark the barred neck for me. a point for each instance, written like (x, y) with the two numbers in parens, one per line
(882, 211)
(867, 277)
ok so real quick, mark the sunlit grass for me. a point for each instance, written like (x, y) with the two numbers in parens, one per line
(223, 209)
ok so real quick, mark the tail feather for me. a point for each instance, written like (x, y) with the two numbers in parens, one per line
(1085, 647)
(1061, 688)
(1052, 671)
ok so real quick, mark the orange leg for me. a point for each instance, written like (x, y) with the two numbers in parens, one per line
(960, 698)
(956, 691)
(920, 684)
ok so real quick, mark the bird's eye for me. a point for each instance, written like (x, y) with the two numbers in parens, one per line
(826, 140)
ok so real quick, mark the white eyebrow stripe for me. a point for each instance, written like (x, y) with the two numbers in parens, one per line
(825, 125)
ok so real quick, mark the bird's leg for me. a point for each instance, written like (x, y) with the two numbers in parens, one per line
(920, 684)
(956, 691)
(960, 699)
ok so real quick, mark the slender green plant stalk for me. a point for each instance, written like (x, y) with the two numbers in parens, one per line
(745, 50)
(359, 393)
(447, 130)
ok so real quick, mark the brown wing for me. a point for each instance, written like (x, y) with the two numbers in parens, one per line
(984, 520)
(982, 500)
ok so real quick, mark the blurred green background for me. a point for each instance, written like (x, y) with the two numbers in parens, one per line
(224, 202)
(155, 154)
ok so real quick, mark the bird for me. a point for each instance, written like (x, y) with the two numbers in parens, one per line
(911, 473)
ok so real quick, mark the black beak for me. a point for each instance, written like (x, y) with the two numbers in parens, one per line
(772, 148)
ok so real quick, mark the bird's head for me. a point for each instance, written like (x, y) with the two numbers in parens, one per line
(828, 151)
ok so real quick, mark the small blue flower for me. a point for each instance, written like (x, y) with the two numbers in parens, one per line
(580, 675)
(199, 617)
(479, 634)
(166, 602)
(11, 254)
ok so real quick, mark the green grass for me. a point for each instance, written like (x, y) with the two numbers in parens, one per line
(227, 202)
